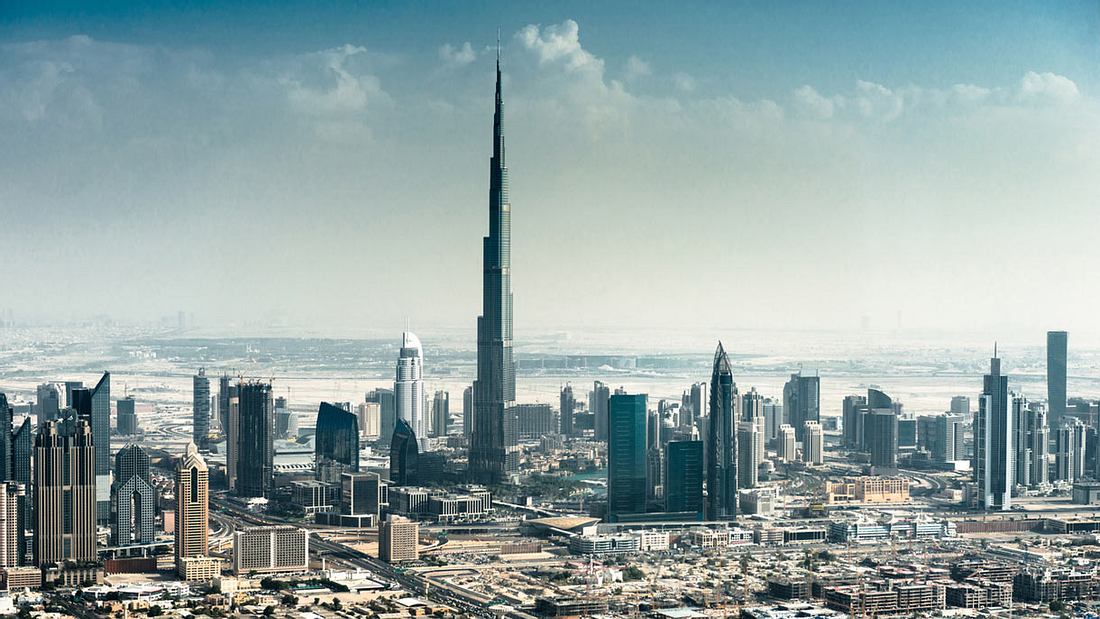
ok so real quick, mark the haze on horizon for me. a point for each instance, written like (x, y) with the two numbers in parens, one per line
(743, 166)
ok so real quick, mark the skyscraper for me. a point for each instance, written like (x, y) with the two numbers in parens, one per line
(468, 412)
(6, 413)
(786, 443)
(813, 446)
(748, 467)
(853, 410)
(10, 522)
(597, 403)
(567, 405)
(226, 390)
(192, 509)
(1069, 444)
(255, 440)
(942, 436)
(127, 416)
(65, 492)
(773, 418)
(626, 455)
(802, 401)
(684, 477)
(388, 408)
(408, 386)
(23, 451)
(699, 397)
(48, 403)
(493, 452)
(94, 406)
(336, 443)
(1057, 344)
(722, 441)
(404, 456)
(993, 469)
(200, 408)
(752, 410)
(881, 425)
(441, 413)
(134, 498)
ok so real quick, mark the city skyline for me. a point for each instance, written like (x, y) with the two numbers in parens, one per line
(607, 126)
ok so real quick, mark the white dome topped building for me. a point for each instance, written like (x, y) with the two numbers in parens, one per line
(408, 388)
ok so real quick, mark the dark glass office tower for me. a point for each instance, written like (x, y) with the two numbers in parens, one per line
(568, 404)
(404, 456)
(256, 440)
(94, 406)
(6, 455)
(684, 477)
(200, 409)
(882, 437)
(626, 455)
(226, 390)
(127, 416)
(1057, 349)
(65, 492)
(336, 444)
(993, 467)
(132, 512)
(48, 403)
(22, 452)
(493, 450)
(598, 400)
(722, 441)
(855, 406)
(802, 402)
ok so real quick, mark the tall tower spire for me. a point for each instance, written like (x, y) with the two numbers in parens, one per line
(493, 449)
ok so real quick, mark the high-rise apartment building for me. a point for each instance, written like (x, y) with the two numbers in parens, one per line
(1057, 350)
(441, 413)
(881, 429)
(802, 401)
(942, 436)
(127, 416)
(993, 442)
(598, 400)
(65, 492)
(397, 540)
(1069, 445)
(852, 412)
(468, 412)
(1031, 442)
(200, 409)
(336, 443)
(786, 444)
(11, 531)
(227, 389)
(773, 418)
(626, 455)
(408, 385)
(255, 436)
(387, 404)
(134, 499)
(722, 440)
(748, 466)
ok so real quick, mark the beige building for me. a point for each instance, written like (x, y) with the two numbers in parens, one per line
(868, 489)
(281, 549)
(199, 568)
(64, 465)
(397, 539)
(192, 515)
(10, 495)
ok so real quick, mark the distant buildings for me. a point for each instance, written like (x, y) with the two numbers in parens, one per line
(10, 522)
(397, 540)
(48, 402)
(626, 455)
(881, 428)
(722, 441)
(1057, 344)
(255, 436)
(281, 549)
(94, 406)
(993, 442)
(942, 436)
(598, 400)
(363, 494)
(786, 444)
(127, 416)
(802, 401)
(852, 416)
(200, 409)
(1031, 442)
(408, 386)
(441, 413)
(387, 406)
(533, 420)
(567, 405)
(336, 443)
(1069, 446)
(65, 492)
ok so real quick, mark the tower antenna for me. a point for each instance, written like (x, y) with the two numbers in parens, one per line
(498, 46)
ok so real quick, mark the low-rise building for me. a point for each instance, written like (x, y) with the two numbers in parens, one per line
(270, 549)
(603, 544)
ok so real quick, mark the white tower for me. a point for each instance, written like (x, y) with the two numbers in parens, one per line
(408, 388)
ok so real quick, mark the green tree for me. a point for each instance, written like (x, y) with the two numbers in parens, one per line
(155, 611)
(269, 611)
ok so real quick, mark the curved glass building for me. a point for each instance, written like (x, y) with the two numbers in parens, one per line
(336, 444)
(404, 456)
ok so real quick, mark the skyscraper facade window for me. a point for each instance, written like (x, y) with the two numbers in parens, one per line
(404, 456)
(1057, 350)
(65, 492)
(802, 401)
(255, 440)
(567, 403)
(192, 508)
(684, 477)
(127, 416)
(993, 442)
(336, 443)
(441, 413)
(408, 386)
(200, 408)
(133, 500)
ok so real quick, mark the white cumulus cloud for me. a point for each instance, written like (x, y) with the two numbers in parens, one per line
(1048, 87)
(457, 56)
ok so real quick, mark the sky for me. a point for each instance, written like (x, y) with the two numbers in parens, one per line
(812, 165)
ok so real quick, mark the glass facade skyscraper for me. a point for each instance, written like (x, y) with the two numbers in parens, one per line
(722, 440)
(65, 492)
(626, 455)
(493, 449)
(336, 443)
(255, 440)
(1057, 350)
(404, 456)
(200, 408)
(684, 477)
(94, 406)
(134, 498)
(993, 442)
(802, 401)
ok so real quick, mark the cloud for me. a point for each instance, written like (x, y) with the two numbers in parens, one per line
(684, 82)
(559, 44)
(457, 57)
(811, 103)
(1047, 87)
(326, 83)
(636, 67)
